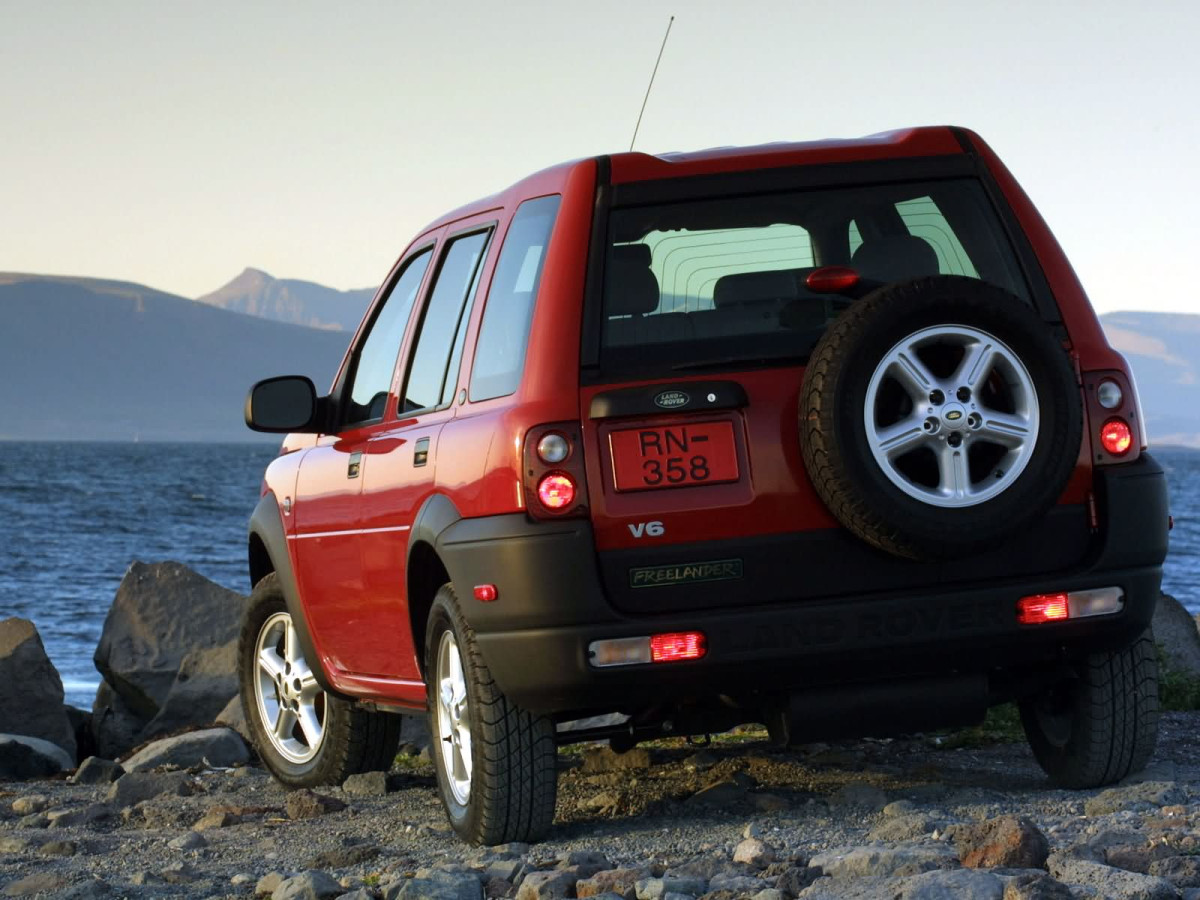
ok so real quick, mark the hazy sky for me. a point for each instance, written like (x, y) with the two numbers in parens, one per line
(175, 144)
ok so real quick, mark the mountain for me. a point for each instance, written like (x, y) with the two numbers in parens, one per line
(85, 359)
(286, 300)
(1164, 351)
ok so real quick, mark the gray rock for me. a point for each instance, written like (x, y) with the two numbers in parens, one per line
(722, 793)
(770, 894)
(179, 873)
(735, 882)
(858, 794)
(313, 885)
(233, 716)
(584, 863)
(1135, 797)
(547, 885)
(160, 614)
(58, 848)
(304, 804)
(1111, 882)
(115, 725)
(93, 889)
(871, 888)
(203, 687)
(658, 888)
(905, 828)
(266, 885)
(859, 862)
(436, 886)
(22, 757)
(754, 852)
(31, 692)
(1181, 871)
(344, 857)
(221, 747)
(622, 882)
(37, 883)
(960, 884)
(95, 770)
(899, 808)
(29, 804)
(189, 841)
(1037, 886)
(366, 784)
(1175, 630)
(132, 789)
(74, 818)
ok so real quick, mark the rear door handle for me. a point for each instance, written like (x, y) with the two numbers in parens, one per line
(354, 465)
(421, 452)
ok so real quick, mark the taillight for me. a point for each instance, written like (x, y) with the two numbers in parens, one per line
(1039, 609)
(553, 476)
(677, 645)
(1116, 437)
(1042, 608)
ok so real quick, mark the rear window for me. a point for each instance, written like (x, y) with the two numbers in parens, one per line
(716, 283)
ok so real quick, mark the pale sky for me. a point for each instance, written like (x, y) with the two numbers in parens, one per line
(175, 144)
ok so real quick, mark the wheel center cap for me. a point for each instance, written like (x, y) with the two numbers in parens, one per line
(954, 415)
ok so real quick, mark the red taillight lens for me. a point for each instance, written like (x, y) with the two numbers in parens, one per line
(1116, 437)
(831, 279)
(1043, 608)
(677, 645)
(556, 492)
(486, 593)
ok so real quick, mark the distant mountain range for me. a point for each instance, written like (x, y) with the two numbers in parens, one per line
(256, 293)
(88, 359)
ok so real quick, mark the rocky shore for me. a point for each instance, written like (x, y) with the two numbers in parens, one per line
(187, 813)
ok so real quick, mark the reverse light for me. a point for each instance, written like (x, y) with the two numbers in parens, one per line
(1116, 437)
(1041, 608)
(1109, 395)
(677, 645)
(553, 448)
(831, 279)
(556, 491)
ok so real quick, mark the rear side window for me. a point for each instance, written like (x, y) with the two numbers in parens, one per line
(430, 377)
(504, 331)
(721, 282)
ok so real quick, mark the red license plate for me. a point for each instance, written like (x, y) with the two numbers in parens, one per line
(646, 459)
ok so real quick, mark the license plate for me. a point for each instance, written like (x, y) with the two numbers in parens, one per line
(648, 459)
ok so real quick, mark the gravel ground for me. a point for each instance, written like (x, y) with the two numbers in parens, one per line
(676, 814)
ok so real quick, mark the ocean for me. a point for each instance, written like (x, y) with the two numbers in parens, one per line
(73, 516)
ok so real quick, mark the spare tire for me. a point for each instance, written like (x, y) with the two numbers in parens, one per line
(939, 417)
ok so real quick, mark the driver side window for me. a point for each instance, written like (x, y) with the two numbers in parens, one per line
(375, 360)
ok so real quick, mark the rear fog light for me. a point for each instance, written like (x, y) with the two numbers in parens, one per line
(672, 647)
(1041, 608)
(677, 646)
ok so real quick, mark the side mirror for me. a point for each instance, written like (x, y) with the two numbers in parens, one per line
(284, 404)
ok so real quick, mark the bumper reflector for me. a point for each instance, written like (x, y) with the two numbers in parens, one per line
(631, 651)
(1041, 608)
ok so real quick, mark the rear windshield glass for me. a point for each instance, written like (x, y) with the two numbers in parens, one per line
(716, 283)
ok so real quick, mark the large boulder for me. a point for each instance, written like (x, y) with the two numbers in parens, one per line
(24, 757)
(1175, 630)
(31, 693)
(115, 727)
(167, 649)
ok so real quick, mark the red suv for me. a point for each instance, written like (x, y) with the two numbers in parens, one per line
(824, 436)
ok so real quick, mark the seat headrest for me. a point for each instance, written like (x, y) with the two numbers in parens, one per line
(895, 258)
(631, 288)
(749, 287)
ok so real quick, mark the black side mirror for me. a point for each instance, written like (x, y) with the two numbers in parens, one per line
(285, 404)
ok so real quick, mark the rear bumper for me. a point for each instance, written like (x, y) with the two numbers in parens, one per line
(551, 606)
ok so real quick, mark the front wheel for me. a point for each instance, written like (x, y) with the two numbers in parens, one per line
(305, 736)
(495, 762)
(1102, 724)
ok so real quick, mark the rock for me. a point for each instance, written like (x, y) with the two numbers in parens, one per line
(1008, 841)
(736, 882)
(858, 794)
(304, 804)
(546, 885)
(344, 857)
(366, 784)
(904, 828)
(700, 761)
(58, 848)
(1181, 871)
(95, 770)
(115, 725)
(37, 883)
(437, 886)
(1135, 797)
(311, 885)
(622, 882)
(722, 793)
(583, 862)
(233, 716)
(754, 852)
(132, 789)
(179, 873)
(603, 759)
(959, 884)
(160, 614)
(73, 818)
(189, 841)
(858, 862)
(658, 888)
(794, 879)
(31, 693)
(80, 721)
(1176, 632)
(1036, 887)
(219, 747)
(202, 689)
(22, 757)
(93, 889)
(218, 817)
(30, 804)
(768, 803)
(1110, 882)
(266, 885)
(899, 808)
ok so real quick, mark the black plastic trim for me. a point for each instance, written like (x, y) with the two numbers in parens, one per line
(589, 347)
(641, 401)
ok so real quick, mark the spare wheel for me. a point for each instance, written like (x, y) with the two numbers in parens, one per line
(939, 417)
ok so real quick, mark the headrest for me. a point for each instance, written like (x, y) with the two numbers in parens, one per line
(749, 287)
(895, 258)
(631, 288)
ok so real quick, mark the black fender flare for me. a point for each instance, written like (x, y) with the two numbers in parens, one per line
(436, 514)
(266, 525)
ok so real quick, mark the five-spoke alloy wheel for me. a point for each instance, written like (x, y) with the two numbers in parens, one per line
(287, 696)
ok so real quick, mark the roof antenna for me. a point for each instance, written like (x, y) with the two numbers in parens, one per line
(651, 84)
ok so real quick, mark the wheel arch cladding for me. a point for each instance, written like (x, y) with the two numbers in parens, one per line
(425, 572)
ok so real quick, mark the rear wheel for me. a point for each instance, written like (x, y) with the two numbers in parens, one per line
(303, 735)
(495, 762)
(1101, 725)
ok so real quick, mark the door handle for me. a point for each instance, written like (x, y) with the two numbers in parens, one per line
(354, 465)
(421, 452)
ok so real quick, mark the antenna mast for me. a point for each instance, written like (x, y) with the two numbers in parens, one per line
(651, 84)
